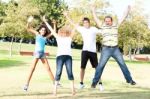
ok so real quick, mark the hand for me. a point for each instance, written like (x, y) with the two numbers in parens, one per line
(129, 7)
(65, 13)
(30, 19)
(92, 6)
(54, 21)
(44, 19)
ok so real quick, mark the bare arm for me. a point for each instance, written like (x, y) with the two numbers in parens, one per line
(98, 22)
(49, 27)
(125, 15)
(29, 27)
(69, 19)
(72, 33)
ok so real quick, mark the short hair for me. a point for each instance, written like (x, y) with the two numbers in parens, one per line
(108, 17)
(86, 19)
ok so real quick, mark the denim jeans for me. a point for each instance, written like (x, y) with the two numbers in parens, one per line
(106, 53)
(60, 61)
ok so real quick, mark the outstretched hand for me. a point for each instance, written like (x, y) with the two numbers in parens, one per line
(65, 13)
(92, 7)
(129, 8)
(44, 19)
(30, 19)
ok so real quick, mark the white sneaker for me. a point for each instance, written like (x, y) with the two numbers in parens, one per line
(25, 88)
(59, 85)
(81, 86)
(101, 88)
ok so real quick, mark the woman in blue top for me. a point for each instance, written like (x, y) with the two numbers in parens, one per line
(41, 36)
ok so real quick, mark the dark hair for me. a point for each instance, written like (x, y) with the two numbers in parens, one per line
(46, 29)
(86, 19)
(108, 17)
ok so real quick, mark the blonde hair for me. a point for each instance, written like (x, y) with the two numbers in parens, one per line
(64, 31)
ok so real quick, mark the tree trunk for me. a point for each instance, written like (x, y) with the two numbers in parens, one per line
(11, 44)
(130, 54)
(20, 44)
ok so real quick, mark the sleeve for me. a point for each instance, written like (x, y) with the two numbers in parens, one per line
(80, 29)
(98, 31)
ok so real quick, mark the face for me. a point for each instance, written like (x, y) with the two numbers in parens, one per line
(86, 24)
(42, 31)
(108, 21)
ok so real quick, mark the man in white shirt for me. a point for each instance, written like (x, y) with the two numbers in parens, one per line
(89, 45)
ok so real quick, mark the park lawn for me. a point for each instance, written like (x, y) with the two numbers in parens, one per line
(14, 70)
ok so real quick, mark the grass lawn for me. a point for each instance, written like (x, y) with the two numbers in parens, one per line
(14, 70)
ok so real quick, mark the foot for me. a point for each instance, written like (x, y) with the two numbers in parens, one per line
(93, 85)
(59, 85)
(132, 82)
(73, 92)
(54, 93)
(101, 88)
(81, 86)
(25, 88)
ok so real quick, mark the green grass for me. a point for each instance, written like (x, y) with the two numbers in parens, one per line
(14, 70)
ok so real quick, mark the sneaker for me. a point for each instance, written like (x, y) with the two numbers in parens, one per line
(132, 82)
(59, 85)
(25, 88)
(81, 86)
(93, 85)
(101, 88)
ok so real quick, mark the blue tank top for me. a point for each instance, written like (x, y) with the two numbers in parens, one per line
(40, 43)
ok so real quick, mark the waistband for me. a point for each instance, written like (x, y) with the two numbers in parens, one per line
(109, 46)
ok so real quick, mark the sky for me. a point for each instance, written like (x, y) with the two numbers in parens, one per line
(119, 6)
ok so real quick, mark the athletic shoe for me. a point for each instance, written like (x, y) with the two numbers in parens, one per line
(101, 88)
(59, 85)
(93, 85)
(25, 88)
(81, 86)
(132, 82)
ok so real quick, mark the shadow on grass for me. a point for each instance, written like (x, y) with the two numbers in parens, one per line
(88, 94)
(133, 62)
(10, 63)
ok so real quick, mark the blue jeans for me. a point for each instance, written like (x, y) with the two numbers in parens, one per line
(60, 61)
(106, 53)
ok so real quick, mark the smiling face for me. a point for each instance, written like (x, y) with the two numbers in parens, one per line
(108, 21)
(42, 31)
(86, 24)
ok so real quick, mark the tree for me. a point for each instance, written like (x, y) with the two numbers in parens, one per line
(14, 23)
(52, 9)
(134, 31)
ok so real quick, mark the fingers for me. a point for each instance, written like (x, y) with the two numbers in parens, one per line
(92, 7)
(30, 19)
(43, 18)
(65, 13)
(129, 7)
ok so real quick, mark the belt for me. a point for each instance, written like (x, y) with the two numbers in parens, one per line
(110, 46)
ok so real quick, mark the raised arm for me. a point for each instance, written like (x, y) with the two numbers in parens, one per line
(65, 13)
(29, 27)
(124, 15)
(49, 27)
(73, 32)
(96, 19)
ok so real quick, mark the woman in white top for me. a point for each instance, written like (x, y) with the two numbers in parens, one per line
(64, 39)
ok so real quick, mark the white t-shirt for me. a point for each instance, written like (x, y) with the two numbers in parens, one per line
(89, 38)
(64, 45)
